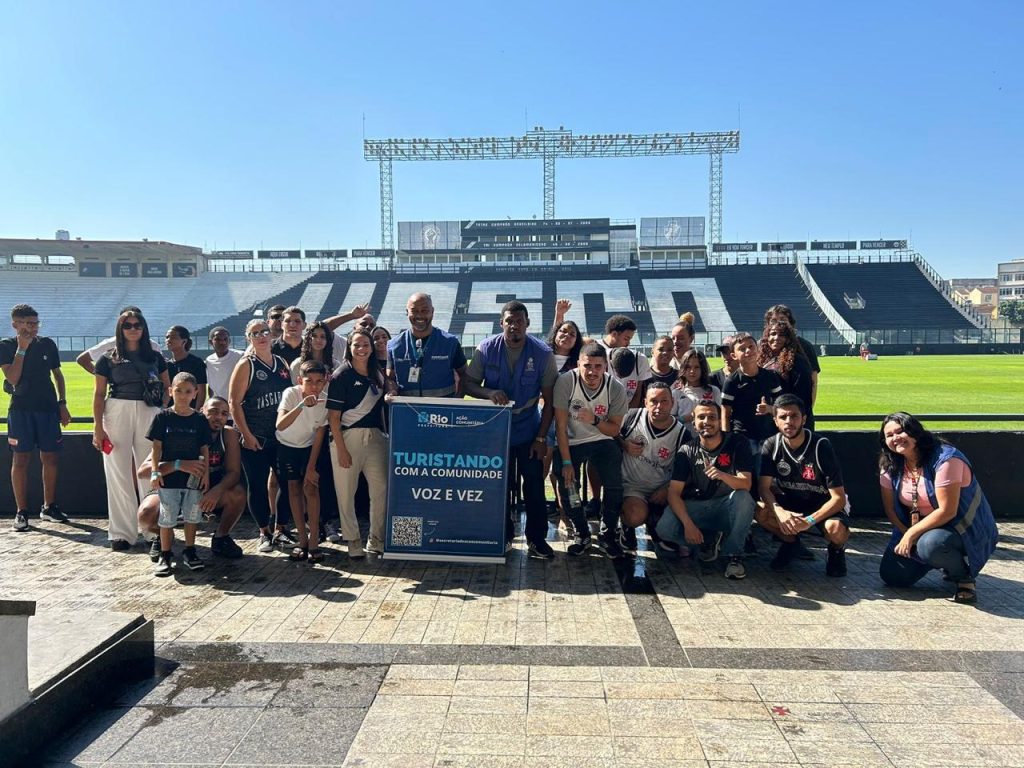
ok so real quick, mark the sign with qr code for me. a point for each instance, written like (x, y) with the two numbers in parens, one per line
(447, 480)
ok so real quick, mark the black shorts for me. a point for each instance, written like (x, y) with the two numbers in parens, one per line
(34, 430)
(292, 462)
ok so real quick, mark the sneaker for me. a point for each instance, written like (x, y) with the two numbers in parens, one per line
(802, 552)
(610, 544)
(785, 556)
(154, 550)
(835, 561)
(734, 569)
(225, 546)
(355, 550)
(579, 545)
(374, 547)
(120, 545)
(710, 548)
(163, 565)
(669, 548)
(541, 550)
(283, 538)
(191, 559)
(331, 533)
(266, 543)
(627, 539)
(21, 520)
(51, 513)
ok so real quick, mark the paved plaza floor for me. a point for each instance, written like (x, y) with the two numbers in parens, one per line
(575, 662)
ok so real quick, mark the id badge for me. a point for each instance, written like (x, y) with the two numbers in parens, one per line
(414, 375)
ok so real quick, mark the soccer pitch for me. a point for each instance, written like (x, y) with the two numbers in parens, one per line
(926, 384)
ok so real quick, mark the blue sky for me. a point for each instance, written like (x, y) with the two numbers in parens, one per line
(239, 124)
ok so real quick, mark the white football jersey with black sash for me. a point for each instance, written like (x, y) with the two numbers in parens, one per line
(653, 468)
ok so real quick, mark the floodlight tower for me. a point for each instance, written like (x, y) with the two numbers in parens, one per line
(547, 145)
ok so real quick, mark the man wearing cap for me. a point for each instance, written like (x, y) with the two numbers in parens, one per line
(728, 363)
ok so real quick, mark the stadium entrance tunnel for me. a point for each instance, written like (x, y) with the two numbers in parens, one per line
(997, 459)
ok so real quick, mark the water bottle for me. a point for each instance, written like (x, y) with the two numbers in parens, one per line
(194, 480)
(574, 496)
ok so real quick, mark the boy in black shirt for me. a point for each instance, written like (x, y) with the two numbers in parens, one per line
(180, 434)
(802, 486)
(747, 397)
(36, 413)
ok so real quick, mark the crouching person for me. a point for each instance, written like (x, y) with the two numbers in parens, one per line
(801, 487)
(225, 498)
(179, 434)
(710, 493)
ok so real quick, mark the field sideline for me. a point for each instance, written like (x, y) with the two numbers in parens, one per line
(935, 384)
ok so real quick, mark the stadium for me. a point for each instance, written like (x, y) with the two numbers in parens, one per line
(848, 296)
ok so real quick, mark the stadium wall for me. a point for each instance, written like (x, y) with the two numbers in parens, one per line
(997, 458)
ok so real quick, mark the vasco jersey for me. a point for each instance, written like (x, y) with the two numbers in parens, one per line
(266, 383)
(218, 455)
(640, 374)
(731, 456)
(653, 468)
(801, 477)
(609, 399)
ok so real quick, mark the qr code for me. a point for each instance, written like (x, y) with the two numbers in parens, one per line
(407, 531)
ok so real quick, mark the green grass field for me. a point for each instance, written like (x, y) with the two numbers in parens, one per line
(938, 384)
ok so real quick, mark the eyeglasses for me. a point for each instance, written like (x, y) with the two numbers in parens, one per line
(259, 334)
(132, 326)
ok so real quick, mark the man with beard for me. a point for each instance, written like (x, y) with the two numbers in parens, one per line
(802, 487)
(710, 491)
(424, 360)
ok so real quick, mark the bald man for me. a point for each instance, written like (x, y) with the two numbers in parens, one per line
(424, 360)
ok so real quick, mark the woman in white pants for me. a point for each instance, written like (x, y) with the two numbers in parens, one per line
(355, 413)
(122, 417)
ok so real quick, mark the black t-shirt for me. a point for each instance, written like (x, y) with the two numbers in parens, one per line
(717, 379)
(743, 394)
(35, 390)
(799, 383)
(812, 356)
(360, 400)
(666, 378)
(801, 478)
(181, 437)
(732, 456)
(286, 351)
(188, 364)
(127, 378)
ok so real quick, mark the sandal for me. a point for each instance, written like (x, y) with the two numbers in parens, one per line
(316, 556)
(966, 593)
(299, 554)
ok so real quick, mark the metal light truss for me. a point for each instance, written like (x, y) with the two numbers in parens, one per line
(547, 145)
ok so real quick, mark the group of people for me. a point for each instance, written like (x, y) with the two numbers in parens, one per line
(693, 455)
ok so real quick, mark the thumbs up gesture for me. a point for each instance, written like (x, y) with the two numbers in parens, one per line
(763, 409)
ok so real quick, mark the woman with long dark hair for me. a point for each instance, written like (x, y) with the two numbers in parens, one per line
(318, 346)
(355, 415)
(939, 514)
(131, 386)
(381, 337)
(257, 383)
(780, 351)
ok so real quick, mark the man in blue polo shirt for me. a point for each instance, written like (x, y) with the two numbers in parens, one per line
(423, 360)
(37, 412)
(514, 366)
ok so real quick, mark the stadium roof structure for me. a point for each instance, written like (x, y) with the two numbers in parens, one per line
(102, 249)
(547, 145)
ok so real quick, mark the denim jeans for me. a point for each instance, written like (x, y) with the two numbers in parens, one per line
(731, 514)
(938, 548)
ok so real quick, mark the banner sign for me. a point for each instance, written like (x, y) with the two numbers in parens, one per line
(231, 255)
(92, 269)
(786, 246)
(447, 480)
(372, 253)
(535, 226)
(555, 246)
(154, 270)
(335, 254)
(883, 245)
(833, 245)
(124, 270)
(279, 254)
(183, 269)
(733, 247)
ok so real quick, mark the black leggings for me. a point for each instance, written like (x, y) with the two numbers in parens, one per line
(257, 466)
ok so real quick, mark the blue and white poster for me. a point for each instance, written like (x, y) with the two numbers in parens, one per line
(447, 480)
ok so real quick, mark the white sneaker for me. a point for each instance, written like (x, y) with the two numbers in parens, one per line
(355, 549)
(735, 569)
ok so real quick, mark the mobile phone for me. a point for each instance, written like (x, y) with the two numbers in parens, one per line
(107, 446)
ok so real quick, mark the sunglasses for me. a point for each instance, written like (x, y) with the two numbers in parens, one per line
(260, 334)
(132, 326)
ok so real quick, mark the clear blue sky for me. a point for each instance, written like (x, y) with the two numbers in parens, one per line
(239, 124)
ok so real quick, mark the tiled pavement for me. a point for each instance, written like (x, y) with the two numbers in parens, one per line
(266, 662)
